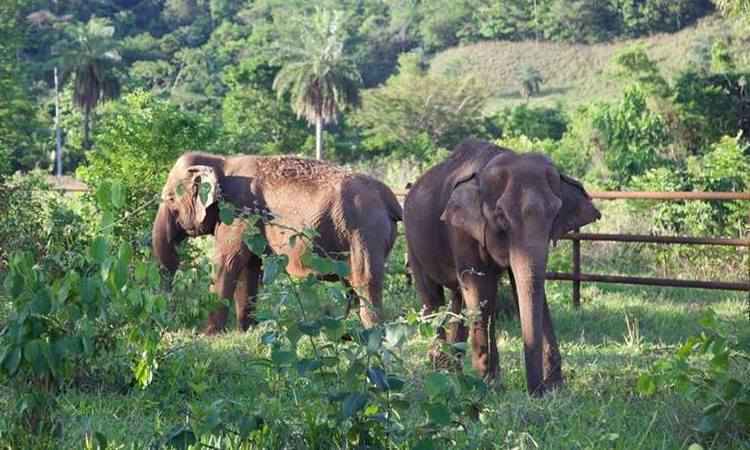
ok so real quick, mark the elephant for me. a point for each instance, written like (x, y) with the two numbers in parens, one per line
(484, 210)
(354, 216)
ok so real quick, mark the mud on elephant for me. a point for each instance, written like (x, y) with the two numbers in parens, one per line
(480, 212)
(354, 216)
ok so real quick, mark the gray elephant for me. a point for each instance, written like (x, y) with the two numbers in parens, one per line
(483, 210)
(355, 217)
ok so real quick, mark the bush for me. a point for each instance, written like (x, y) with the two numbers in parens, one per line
(413, 106)
(711, 106)
(51, 227)
(533, 122)
(137, 141)
(632, 136)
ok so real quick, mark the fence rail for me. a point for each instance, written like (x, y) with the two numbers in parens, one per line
(577, 276)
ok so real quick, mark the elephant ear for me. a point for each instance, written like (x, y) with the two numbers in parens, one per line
(464, 209)
(577, 209)
(204, 189)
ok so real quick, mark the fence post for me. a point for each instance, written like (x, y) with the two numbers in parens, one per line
(576, 271)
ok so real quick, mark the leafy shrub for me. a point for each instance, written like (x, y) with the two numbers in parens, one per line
(51, 227)
(710, 106)
(137, 141)
(413, 105)
(724, 168)
(708, 369)
(632, 136)
(532, 122)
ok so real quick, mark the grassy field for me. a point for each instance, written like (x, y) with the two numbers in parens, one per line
(574, 74)
(617, 334)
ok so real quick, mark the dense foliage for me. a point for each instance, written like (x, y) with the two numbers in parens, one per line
(85, 313)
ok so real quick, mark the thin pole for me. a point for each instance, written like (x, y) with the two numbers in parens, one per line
(58, 134)
(577, 272)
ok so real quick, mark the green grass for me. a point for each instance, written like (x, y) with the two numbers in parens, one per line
(574, 74)
(598, 408)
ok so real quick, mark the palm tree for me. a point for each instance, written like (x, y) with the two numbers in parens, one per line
(317, 73)
(89, 56)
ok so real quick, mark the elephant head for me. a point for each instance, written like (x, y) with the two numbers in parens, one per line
(513, 207)
(188, 208)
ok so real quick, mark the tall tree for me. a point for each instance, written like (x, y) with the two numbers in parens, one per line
(321, 78)
(17, 122)
(88, 57)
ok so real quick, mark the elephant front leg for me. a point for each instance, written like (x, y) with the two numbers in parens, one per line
(479, 291)
(245, 293)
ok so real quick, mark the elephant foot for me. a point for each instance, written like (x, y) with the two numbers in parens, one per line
(368, 316)
(212, 329)
(553, 383)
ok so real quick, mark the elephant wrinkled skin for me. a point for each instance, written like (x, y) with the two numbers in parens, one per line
(481, 211)
(354, 216)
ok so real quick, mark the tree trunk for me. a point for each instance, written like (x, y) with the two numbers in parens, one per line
(87, 127)
(58, 134)
(319, 138)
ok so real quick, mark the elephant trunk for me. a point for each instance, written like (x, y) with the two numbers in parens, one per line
(529, 262)
(166, 234)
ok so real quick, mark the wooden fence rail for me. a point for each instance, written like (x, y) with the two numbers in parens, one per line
(577, 276)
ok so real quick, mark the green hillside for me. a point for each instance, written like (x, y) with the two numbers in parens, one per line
(573, 74)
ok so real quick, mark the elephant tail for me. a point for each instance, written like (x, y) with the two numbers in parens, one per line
(392, 205)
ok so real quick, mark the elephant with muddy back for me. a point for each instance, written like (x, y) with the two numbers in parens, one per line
(480, 212)
(355, 218)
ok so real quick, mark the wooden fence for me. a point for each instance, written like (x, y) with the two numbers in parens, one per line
(578, 277)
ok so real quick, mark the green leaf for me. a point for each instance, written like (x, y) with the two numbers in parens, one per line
(204, 191)
(731, 389)
(743, 412)
(103, 195)
(307, 365)
(255, 242)
(377, 376)
(437, 384)
(33, 353)
(438, 413)
(282, 357)
(226, 213)
(271, 270)
(99, 249)
(140, 271)
(395, 383)
(425, 444)
(353, 403)
(118, 195)
(709, 424)
(374, 339)
(395, 335)
(720, 361)
(12, 360)
(646, 385)
(309, 327)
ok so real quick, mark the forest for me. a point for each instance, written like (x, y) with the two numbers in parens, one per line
(104, 341)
